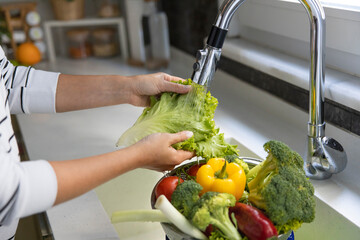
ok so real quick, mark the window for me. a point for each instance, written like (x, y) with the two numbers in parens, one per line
(284, 25)
(339, 4)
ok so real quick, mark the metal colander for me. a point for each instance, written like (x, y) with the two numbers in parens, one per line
(171, 231)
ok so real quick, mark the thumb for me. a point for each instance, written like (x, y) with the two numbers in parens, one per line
(180, 136)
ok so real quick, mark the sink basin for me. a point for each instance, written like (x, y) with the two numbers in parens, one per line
(133, 190)
(129, 191)
(328, 223)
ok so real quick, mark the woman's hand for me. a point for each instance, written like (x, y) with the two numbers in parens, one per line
(156, 151)
(76, 92)
(152, 152)
(147, 85)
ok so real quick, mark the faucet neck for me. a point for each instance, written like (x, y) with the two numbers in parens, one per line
(317, 73)
(226, 12)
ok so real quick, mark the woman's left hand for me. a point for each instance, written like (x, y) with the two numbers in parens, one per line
(147, 85)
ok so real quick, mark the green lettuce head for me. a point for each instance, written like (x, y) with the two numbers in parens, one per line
(174, 112)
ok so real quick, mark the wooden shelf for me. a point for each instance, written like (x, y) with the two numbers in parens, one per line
(119, 22)
(18, 22)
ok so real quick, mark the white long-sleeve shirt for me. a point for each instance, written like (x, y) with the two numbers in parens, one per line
(25, 187)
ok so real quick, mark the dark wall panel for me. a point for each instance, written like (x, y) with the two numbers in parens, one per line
(190, 22)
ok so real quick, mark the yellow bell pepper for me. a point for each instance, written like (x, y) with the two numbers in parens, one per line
(217, 175)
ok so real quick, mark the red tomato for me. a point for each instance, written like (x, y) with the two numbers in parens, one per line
(192, 171)
(167, 186)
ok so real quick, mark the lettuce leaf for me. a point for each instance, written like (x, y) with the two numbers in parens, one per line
(173, 113)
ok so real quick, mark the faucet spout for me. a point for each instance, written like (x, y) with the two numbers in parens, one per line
(324, 156)
(207, 58)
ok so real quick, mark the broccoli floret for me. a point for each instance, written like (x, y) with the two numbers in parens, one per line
(280, 187)
(185, 196)
(216, 235)
(235, 158)
(282, 155)
(244, 198)
(213, 208)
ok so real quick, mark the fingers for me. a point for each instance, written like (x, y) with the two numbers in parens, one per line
(181, 154)
(180, 136)
(156, 83)
(170, 78)
(175, 87)
(184, 155)
(169, 86)
(161, 148)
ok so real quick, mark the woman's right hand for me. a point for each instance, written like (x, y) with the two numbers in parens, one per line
(144, 86)
(156, 151)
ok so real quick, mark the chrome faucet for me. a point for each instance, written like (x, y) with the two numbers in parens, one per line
(325, 156)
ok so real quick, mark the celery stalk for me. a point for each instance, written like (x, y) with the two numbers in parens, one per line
(177, 218)
(141, 215)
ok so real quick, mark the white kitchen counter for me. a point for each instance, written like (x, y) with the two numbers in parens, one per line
(247, 114)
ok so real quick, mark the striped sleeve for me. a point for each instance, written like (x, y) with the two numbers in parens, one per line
(30, 188)
(25, 187)
(29, 90)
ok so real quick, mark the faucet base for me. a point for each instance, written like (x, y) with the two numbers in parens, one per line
(314, 173)
(325, 156)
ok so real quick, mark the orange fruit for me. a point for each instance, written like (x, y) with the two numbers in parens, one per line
(28, 54)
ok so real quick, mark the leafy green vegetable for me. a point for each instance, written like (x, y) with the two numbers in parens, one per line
(280, 187)
(173, 113)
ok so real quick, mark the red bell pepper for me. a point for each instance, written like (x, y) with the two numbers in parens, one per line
(252, 222)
